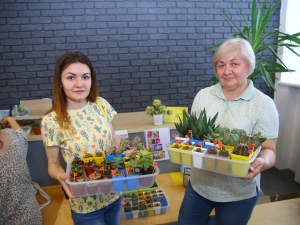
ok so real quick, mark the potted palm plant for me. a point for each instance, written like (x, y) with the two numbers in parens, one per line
(259, 38)
(157, 111)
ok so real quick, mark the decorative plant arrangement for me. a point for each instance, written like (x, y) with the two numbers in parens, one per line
(259, 38)
(20, 110)
(112, 170)
(157, 111)
(208, 146)
(139, 204)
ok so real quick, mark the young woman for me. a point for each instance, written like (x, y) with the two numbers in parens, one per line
(18, 204)
(76, 124)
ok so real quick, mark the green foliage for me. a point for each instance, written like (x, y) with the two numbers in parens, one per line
(212, 150)
(88, 155)
(258, 37)
(183, 126)
(223, 152)
(76, 169)
(202, 127)
(136, 141)
(36, 124)
(156, 109)
(111, 150)
(230, 139)
(99, 154)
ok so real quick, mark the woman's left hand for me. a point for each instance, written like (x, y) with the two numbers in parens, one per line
(255, 168)
(264, 160)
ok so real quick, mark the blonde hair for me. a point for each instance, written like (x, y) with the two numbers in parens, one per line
(239, 47)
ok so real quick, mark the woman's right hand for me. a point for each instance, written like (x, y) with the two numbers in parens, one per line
(61, 177)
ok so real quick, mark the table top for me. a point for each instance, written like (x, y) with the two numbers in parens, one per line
(136, 122)
(133, 122)
(275, 213)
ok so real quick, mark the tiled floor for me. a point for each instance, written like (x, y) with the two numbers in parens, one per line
(278, 183)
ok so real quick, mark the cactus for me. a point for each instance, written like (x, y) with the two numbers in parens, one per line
(89, 118)
(230, 139)
(140, 146)
(221, 130)
(101, 144)
(239, 132)
(94, 138)
(74, 130)
(85, 198)
(223, 152)
(99, 121)
(87, 127)
(91, 111)
(84, 134)
(77, 147)
(211, 150)
(89, 203)
(60, 134)
(96, 108)
(51, 133)
(80, 208)
(84, 111)
(98, 129)
(77, 123)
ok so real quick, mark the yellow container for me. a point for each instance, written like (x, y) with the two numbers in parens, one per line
(150, 208)
(240, 169)
(175, 155)
(186, 158)
(86, 160)
(99, 160)
(229, 148)
(126, 163)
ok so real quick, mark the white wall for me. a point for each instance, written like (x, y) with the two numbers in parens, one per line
(287, 100)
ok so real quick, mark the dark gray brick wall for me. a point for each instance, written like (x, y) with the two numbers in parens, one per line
(141, 50)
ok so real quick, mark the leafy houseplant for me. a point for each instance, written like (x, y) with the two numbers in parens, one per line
(256, 35)
(36, 128)
(157, 111)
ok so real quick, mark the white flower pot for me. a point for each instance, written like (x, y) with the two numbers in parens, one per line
(158, 119)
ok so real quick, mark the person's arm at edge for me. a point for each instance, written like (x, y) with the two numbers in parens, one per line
(55, 169)
(265, 159)
(115, 139)
(11, 121)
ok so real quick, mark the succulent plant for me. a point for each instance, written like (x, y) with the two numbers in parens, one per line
(202, 127)
(99, 154)
(211, 150)
(230, 139)
(183, 126)
(136, 141)
(88, 155)
(239, 132)
(221, 130)
(223, 152)
(111, 150)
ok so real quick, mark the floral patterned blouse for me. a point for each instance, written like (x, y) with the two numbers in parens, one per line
(18, 204)
(91, 133)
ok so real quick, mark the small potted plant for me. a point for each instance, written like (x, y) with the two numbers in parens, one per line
(157, 208)
(36, 128)
(127, 210)
(157, 111)
(89, 168)
(118, 183)
(135, 211)
(106, 186)
(175, 153)
(92, 187)
(210, 162)
(198, 156)
(78, 189)
(77, 160)
(164, 207)
(142, 210)
(150, 208)
(223, 164)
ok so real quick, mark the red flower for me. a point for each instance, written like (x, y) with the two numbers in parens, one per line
(225, 134)
(252, 145)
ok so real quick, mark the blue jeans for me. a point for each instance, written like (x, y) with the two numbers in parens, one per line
(196, 209)
(109, 215)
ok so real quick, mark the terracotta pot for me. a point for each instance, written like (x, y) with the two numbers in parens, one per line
(106, 176)
(37, 130)
(76, 178)
(89, 170)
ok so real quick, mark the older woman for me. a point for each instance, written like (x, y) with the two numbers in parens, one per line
(240, 105)
(76, 124)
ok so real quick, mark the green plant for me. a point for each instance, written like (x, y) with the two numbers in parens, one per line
(76, 160)
(88, 164)
(36, 124)
(99, 154)
(88, 155)
(135, 166)
(136, 141)
(230, 139)
(212, 150)
(223, 152)
(202, 127)
(256, 35)
(107, 171)
(239, 132)
(111, 150)
(22, 109)
(118, 163)
(156, 109)
(76, 169)
(183, 126)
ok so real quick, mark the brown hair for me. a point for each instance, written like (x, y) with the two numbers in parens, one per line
(60, 98)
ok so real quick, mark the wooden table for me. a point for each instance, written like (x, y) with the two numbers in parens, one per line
(285, 212)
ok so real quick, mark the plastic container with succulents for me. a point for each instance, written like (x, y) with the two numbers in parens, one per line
(235, 165)
(139, 209)
(87, 187)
